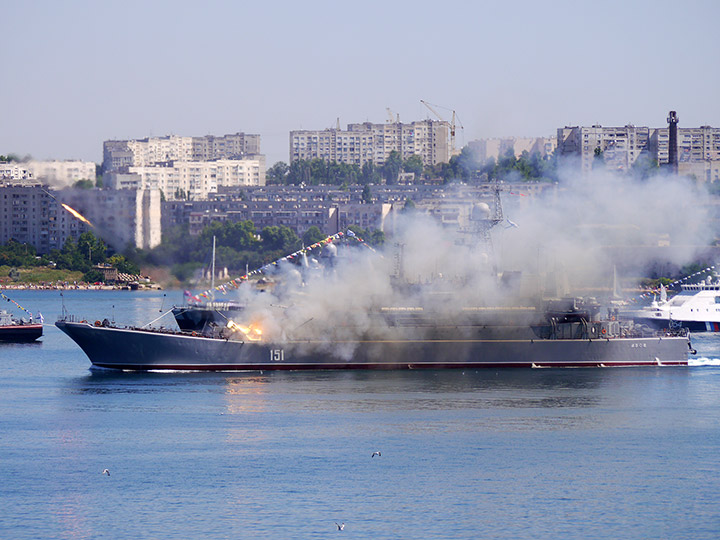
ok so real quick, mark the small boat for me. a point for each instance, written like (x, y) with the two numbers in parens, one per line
(17, 330)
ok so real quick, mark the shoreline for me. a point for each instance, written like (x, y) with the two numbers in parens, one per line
(78, 287)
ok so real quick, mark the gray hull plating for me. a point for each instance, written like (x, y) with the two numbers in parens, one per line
(134, 349)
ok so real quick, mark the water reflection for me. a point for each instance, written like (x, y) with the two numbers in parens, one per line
(8, 348)
(506, 399)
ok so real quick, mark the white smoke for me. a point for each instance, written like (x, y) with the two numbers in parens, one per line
(432, 270)
(592, 223)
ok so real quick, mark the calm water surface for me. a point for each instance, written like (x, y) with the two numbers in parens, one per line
(547, 453)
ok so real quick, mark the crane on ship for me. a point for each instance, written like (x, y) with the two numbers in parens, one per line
(455, 120)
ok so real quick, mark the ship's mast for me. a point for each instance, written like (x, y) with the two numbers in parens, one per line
(212, 278)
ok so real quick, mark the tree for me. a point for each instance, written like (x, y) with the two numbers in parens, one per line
(366, 194)
(123, 265)
(278, 173)
(373, 237)
(413, 164)
(84, 184)
(299, 172)
(391, 168)
(598, 159)
(91, 247)
(370, 173)
(312, 235)
(93, 276)
(644, 167)
(409, 206)
(279, 238)
(88, 251)
(505, 163)
(15, 253)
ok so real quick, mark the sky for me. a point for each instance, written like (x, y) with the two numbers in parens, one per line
(77, 73)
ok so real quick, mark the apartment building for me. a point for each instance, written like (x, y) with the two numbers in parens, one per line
(698, 151)
(14, 171)
(195, 180)
(120, 217)
(119, 154)
(365, 142)
(58, 174)
(333, 209)
(30, 214)
(698, 148)
(621, 146)
(494, 148)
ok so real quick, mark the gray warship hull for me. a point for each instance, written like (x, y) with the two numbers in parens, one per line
(143, 350)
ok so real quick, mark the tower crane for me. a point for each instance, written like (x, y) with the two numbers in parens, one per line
(391, 117)
(455, 118)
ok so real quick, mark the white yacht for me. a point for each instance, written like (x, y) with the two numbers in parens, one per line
(696, 307)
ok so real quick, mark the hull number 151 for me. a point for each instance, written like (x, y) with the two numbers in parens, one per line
(277, 355)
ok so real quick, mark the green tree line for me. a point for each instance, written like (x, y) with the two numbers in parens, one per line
(462, 167)
(313, 172)
(81, 255)
(238, 245)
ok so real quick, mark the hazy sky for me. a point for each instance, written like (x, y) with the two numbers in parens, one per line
(77, 73)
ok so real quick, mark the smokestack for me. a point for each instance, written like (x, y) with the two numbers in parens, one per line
(673, 148)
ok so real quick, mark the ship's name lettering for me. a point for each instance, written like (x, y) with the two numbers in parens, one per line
(638, 345)
(277, 355)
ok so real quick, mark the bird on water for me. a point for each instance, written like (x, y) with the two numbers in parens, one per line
(340, 526)
(106, 471)
(378, 454)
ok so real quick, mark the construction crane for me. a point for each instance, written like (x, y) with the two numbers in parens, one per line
(455, 118)
(391, 117)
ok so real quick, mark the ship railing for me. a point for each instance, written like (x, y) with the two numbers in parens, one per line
(673, 332)
(636, 332)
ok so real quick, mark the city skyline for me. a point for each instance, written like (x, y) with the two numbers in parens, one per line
(81, 73)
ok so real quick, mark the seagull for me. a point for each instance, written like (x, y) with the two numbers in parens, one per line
(106, 471)
(378, 454)
(340, 526)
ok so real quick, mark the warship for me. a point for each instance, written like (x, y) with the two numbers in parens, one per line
(402, 327)
(396, 338)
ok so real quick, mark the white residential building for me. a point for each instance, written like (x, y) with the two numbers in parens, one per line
(58, 174)
(155, 150)
(698, 151)
(192, 179)
(15, 171)
(698, 148)
(621, 146)
(485, 149)
(374, 142)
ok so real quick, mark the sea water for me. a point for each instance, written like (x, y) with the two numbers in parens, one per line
(523, 454)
